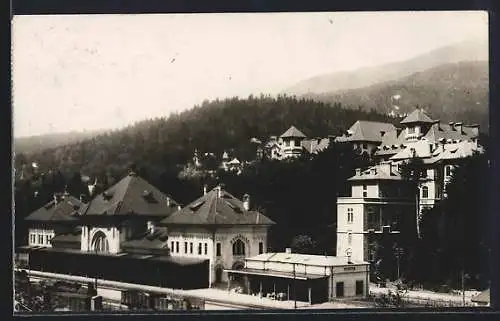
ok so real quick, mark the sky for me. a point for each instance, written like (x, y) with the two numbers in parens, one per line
(89, 72)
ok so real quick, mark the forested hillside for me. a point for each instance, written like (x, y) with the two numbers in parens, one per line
(35, 144)
(215, 126)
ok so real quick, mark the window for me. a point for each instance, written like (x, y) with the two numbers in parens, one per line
(206, 248)
(199, 248)
(100, 243)
(359, 287)
(411, 130)
(238, 247)
(349, 237)
(172, 246)
(365, 190)
(218, 252)
(448, 170)
(185, 247)
(191, 247)
(47, 239)
(261, 247)
(365, 146)
(340, 289)
(425, 192)
(177, 247)
(40, 239)
(350, 215)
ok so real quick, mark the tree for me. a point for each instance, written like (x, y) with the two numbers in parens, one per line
(412, 172)
(303, 244)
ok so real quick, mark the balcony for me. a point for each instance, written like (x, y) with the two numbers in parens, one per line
(375, 200)
(378, 227)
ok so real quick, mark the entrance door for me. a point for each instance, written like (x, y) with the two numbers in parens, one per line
(340, 289)
(218, 274)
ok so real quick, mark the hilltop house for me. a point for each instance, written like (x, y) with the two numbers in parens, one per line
(418, 126)
(365, 136)
(293, 143)
(218, 227)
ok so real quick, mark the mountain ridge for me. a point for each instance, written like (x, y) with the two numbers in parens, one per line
(469, 50)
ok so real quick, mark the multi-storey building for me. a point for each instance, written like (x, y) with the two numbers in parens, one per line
(380, 196)
(377, 203)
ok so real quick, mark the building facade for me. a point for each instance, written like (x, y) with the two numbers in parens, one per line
(301, 277)
(380, 197)
(376, 205)
(218, 227)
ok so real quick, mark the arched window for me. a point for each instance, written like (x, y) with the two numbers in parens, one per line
(239, 247)
(100, 243)
(425, 192)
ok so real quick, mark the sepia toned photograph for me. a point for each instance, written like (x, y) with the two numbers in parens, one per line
(250, 161)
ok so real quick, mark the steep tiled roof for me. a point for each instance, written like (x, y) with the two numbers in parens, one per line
(147, 240)
(131, 195)
(393, 142)
(293, 132)
(234, 161)
(314, 146)
(368, 131)
(417, 116)
(454, 151)
(420, 149)
(215, 209)
(65, 209)
(377, 172)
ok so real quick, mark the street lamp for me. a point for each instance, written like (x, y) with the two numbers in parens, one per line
(398, 253)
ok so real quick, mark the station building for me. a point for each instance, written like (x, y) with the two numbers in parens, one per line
(308, 278)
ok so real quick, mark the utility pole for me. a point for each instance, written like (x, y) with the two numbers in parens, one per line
(294, 289)
(463, 287)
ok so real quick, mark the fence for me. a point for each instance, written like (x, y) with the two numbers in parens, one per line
(403, 300)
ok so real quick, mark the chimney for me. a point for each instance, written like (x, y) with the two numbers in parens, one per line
(288, 250)
(65, 194)
(205, 189)
(151, 227)
(452, 125)
(358, 171)
(373, 171)
(475, 129)
(246, 202)
(459, 126)
(394, 168)
(219, 190)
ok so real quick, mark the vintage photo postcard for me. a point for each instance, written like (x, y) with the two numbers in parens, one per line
(250, 161)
